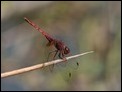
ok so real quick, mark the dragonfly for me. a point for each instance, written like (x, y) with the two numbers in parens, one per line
(61, 49)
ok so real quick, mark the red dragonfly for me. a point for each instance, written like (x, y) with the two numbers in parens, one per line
(61, 48)
(59, 45)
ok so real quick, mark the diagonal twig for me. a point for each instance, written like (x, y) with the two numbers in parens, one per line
(34, 67)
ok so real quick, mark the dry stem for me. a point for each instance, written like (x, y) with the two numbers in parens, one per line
(34, 67)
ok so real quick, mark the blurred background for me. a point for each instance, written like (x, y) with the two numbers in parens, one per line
(82, 26)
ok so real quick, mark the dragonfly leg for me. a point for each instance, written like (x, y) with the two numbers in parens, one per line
(61, 56)
(55, 54)
(51, 53)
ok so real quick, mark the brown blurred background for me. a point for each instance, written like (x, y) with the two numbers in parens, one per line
(82, 25)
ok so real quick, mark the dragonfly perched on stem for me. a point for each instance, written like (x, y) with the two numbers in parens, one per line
(61, 48)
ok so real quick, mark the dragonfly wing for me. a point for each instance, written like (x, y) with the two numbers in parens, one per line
(50, 43)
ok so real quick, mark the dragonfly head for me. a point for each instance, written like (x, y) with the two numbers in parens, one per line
(66, 50)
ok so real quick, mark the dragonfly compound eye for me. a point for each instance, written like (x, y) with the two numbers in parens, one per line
(67, 50)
